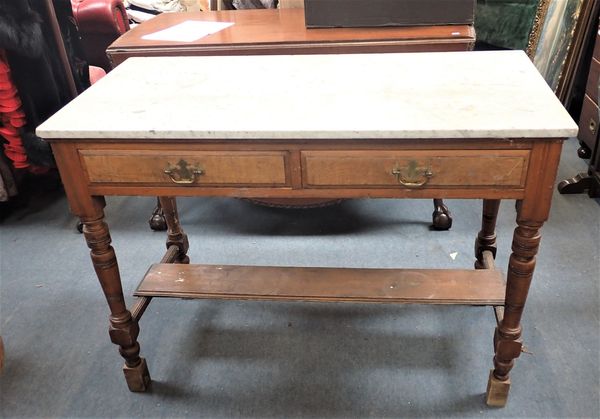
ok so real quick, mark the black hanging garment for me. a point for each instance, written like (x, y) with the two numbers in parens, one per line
(33, 56)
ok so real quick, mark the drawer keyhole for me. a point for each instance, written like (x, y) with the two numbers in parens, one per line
(592, 126)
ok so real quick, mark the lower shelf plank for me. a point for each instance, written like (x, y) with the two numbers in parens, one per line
(422, 286)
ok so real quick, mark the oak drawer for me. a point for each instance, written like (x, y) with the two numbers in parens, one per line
(216, 168)
(588, 123)
(415, 168)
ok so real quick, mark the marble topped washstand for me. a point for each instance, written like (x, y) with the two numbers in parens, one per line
(429, 125)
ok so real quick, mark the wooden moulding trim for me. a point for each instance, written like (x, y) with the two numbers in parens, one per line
(333, 193)
(279, 48)
(420, 286)
(257, 144)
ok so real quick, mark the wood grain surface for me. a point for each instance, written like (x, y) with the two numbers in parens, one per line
(425, 286)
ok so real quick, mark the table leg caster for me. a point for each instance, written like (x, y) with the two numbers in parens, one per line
(138, 377)
(442, 218)
(497, 391)
(584, 152)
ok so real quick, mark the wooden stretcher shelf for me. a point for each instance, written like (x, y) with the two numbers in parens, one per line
(422, 286)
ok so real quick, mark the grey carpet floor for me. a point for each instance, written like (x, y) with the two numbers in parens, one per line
(268, 359)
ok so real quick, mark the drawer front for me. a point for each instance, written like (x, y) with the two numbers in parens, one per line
(588, 123)
(415, 169)
(591, 88)
(216, 168)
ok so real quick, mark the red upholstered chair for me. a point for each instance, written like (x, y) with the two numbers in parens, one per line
(100, 22)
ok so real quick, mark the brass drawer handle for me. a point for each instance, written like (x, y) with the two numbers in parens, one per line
(183, 173)
(592, 126)
(412, 176)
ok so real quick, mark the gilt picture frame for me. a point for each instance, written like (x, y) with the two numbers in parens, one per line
(554, 33)
(555, 46)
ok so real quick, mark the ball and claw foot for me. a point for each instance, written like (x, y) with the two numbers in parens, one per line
(157, 221)
(442, 218)
(138, 377)
(497, 391)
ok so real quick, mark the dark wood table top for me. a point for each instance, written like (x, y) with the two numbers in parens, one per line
(283, 31)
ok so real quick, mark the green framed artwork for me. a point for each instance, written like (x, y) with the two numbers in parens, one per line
(556, 42)
(552, 32)
(505, 23)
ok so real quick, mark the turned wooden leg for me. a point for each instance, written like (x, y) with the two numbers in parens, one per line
(442, 218)
(486, 239)
(507, 338)
(157, 220)
(175, 234)
(123, 329)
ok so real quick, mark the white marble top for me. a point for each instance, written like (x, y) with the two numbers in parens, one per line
(494, 94)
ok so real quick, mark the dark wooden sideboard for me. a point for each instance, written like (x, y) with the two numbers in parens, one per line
(588, 136)
(283, 31)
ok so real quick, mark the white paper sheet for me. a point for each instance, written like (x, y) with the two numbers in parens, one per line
(188, 31)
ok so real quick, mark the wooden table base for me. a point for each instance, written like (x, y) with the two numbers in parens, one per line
(175, 278)
(484, 286)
